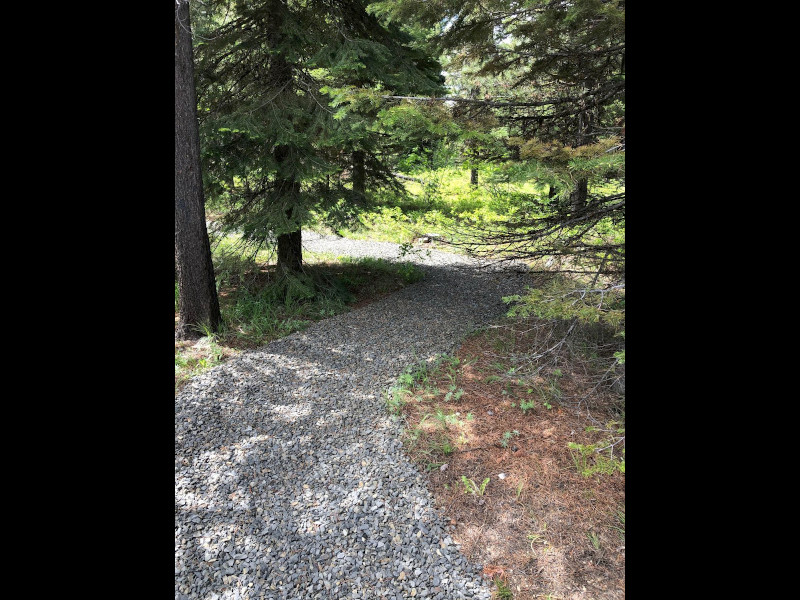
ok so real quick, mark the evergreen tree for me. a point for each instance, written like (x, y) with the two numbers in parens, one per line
(562, 96)
(198, 304)
(558, 73)
(355, 70)
(287, 96)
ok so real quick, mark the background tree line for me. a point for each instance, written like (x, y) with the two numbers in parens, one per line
(309, 108)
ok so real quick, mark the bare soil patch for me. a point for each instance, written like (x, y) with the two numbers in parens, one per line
(540, 528)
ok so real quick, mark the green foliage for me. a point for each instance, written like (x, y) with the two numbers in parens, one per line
(503, 591)
(444, 447)
(454, 394)
(559, 299)
(442, 200)
(289, 93)
(258, 307)
(620, 356)
(206, 354)
(412, 378)
(410, 272)
(594, 539)
(590, 459)
(507, 437)
(413, 127)
(395, 400)
(544, 105)
(470, 487)
(620, 517)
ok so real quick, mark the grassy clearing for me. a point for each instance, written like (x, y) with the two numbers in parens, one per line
(442, 200)
(437, 202)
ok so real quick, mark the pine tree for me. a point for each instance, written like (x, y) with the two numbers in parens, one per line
(288, 93)
(198, 305)
(562, 98)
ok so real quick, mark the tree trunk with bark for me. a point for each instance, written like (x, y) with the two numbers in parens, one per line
(359, 176)
(198, 304)
(473, 177)
(290, 245)
(290, 248)
(578, 196)
(290, 252)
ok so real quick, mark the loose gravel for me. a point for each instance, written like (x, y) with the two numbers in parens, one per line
(290, 480)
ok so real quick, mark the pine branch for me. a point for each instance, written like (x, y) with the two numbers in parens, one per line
(568, 99)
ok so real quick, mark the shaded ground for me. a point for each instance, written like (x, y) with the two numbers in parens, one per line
(366, 284)
(540, 528)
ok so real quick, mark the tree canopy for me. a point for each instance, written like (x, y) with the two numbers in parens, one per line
(289, 105)
(307, 107)
(552, 72)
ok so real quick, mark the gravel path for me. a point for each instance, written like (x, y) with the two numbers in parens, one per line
(290, 481)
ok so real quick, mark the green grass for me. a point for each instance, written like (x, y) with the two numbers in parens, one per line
(503, 592)
(256, 311)
(444, 198)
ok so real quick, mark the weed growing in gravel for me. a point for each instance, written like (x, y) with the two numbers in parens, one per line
(395, 399)
(412, 378)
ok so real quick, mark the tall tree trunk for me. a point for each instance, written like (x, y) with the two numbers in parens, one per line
(290, 252)
(578, 196)
(198, 303)
(473, 177)
(359, 176)
(290, 246)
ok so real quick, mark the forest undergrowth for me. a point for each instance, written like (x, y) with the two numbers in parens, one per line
(526, 459)
(253, 315)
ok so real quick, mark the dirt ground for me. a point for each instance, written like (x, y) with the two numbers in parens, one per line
(540, 528)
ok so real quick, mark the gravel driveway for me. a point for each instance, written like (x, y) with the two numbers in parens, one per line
(290, 481)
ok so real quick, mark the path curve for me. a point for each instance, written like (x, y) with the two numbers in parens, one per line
(290, 480)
